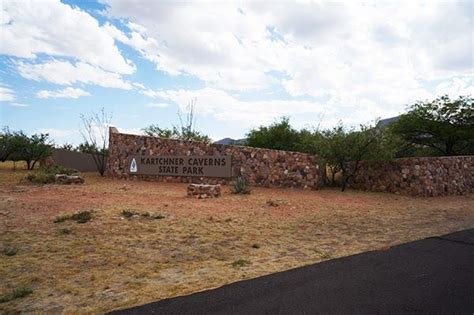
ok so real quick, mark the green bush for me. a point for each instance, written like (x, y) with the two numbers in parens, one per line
(46, 174)
(41, 178)
(57, 169)
(241, 186)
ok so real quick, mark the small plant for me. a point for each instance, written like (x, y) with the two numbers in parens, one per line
(79, 217)
(82, 217)
(65, 231)
(17, 294)
(240, 263)
(158, 216)
(10, 251)
(241, 186)
(127, 213)
(256, 246)
(322, 254)
(273, 203)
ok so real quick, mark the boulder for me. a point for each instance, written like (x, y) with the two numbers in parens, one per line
(204, 191)
(69, 179)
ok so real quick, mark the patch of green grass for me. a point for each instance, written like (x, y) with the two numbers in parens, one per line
(79, 217)
(240, 263)
(17, 294)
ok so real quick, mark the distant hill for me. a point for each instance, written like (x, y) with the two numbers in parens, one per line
(228, 141)
(388, 121)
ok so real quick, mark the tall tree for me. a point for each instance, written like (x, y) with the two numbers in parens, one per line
(344, 149)
(278, 136)
(444, 125)
(186, 130)
(29, 149)
(6, 145)
(95, 134)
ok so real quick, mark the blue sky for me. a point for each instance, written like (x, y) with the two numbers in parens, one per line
(244, 63)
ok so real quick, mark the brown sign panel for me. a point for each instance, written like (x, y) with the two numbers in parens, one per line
(201, 166)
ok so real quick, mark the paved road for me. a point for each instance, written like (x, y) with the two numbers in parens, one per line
(434, 275)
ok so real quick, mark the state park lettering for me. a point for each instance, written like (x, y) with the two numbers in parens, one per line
(183, 165)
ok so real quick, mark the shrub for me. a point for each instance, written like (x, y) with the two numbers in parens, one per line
(17, 294)
(79, 217)
(41, 178)
(46, 174)
(127, 213)
(58, 169)
(241, 186)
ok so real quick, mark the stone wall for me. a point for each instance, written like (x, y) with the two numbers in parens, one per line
(427, 176)
(263, 167)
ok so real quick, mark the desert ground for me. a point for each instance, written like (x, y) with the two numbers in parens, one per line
(174, 245)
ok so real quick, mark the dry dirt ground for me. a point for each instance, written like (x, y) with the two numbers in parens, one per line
(112, 262)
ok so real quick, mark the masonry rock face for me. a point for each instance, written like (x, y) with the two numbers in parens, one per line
(426, 176)
(262, 167)
(204, 191)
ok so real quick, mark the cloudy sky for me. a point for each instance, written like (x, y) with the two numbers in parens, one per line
(244, 63)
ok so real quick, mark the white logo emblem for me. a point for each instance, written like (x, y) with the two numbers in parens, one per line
(133, 166)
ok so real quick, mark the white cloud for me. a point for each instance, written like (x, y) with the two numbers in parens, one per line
(225, 107)
(64, 93)
(6, 94)
(19, 105)
(50, 27)
(58, 133)
(379, 55)
(67, 73)
(157, 105)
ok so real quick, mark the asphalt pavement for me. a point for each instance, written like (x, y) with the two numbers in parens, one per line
(434, 275)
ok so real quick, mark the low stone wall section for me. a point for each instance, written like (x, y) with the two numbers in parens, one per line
(424, 176)
(262, 167)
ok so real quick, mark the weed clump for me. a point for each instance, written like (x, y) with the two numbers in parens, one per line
(9, 251)
(241, 186)
(240, 263)
(128, 213)
(17, 294)
(79, 217)
(47, 174)
(65, 231)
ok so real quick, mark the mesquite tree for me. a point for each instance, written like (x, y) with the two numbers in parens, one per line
(95, 135)
(344, 149)
(186, 130)
(444, 125)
